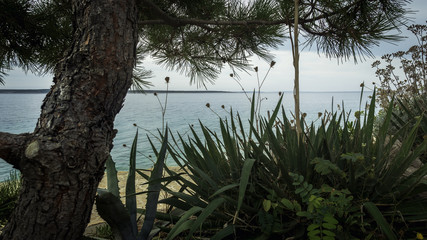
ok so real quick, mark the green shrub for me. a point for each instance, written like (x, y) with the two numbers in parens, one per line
(410, 80)
(104, 232)
(9, 194)
(341, 180)
(408, 85)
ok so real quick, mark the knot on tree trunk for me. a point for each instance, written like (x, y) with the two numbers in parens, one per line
(32, 149)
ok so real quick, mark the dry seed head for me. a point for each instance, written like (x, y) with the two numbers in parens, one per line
(208, 105)
(256, 69)
(272, 63)
(167, 79)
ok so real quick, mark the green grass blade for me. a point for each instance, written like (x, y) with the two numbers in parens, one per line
(154, 190)
(183, 223)
(252, 117)
(231, 149)
(192, 200)
(223, 233)
(360, 99)
(130, 185)
(152, 146)
(213, 150)
(381, 221)
(244, 179)
(175, 202)
(225, 188)
(211, 155)
(275, 112)
(205, 177)
(206, 212)
(112, 181)
(383, 131)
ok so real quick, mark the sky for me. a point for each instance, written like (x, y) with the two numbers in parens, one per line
(317, 72)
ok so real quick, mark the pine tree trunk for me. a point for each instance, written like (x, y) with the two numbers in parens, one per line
(62, 161)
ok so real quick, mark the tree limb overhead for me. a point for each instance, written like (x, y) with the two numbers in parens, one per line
(12, 147)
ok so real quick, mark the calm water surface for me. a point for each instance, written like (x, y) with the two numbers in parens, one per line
(19, 113)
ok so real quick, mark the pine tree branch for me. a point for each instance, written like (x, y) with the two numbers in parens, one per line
(12, 147)
(177, 22)
(166, 19)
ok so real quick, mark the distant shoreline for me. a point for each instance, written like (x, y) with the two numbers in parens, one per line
(32, 91)
(177, 91)
(44, 91)
(35, 91)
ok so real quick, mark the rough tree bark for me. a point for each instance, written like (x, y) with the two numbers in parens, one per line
(62, 161)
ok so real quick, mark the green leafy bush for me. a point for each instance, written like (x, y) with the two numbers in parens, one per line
(409, 80)
(341, 180)
(407, 84)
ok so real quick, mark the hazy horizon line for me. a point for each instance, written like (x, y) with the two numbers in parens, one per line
(45, 90)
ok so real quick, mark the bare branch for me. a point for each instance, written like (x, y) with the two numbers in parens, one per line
(192, 21)
(163, 15)
(12, 147)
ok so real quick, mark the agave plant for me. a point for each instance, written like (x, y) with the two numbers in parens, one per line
(123, 218)
(341, 179)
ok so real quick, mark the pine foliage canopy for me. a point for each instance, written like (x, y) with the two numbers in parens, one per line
(199, 38)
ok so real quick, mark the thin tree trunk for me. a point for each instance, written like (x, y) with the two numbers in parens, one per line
(62, 161)
(295, 48)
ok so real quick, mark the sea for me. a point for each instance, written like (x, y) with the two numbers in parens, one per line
(149, 113)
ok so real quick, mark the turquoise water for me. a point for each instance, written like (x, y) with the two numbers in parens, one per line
(19, 113)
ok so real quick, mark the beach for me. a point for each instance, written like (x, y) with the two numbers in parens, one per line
(140, 186)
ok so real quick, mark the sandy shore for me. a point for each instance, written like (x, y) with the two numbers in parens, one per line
(140, 186)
